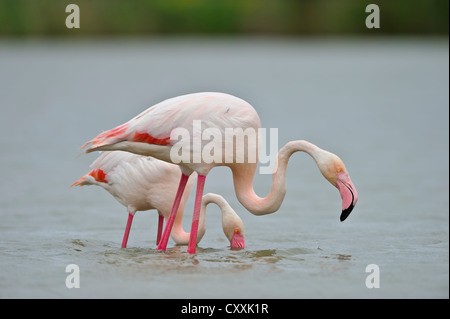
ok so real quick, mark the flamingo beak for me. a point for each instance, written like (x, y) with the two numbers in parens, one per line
(348, 194)
(238, 240)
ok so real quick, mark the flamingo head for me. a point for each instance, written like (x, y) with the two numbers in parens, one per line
(237, 240)
(232, 224)
(233, 228)
(333, 169)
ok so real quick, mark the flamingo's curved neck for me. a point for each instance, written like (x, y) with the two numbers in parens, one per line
(182, 237)
(243, 180)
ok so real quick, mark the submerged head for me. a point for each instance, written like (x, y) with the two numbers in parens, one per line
(333, 169)
(233, 228)
(237, 240)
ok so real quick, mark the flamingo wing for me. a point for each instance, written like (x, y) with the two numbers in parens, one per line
(154, 125)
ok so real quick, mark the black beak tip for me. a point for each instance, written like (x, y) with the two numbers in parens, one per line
(346, 212)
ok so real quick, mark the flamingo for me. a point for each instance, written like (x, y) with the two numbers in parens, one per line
(149, 133)
(142, 183)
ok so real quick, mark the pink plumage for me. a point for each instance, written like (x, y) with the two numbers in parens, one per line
(148, 133)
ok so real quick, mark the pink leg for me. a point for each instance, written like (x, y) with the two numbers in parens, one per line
(160, 227)
(198, 201)
(176, 203)
(127, 231)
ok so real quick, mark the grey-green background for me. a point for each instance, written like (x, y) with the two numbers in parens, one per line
(378, 98)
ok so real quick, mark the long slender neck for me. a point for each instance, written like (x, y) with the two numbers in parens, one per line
(243, 179)
(182, 237)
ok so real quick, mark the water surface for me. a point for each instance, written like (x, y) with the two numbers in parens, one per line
(381, 105)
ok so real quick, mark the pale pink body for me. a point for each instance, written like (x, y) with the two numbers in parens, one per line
(149, 134)
(143, 183)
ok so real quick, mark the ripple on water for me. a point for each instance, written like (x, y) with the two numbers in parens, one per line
(176, 259)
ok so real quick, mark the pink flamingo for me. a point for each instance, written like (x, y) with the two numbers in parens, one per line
(142, 183)
(149, 133)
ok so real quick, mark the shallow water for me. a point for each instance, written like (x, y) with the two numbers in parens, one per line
(381, 105)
